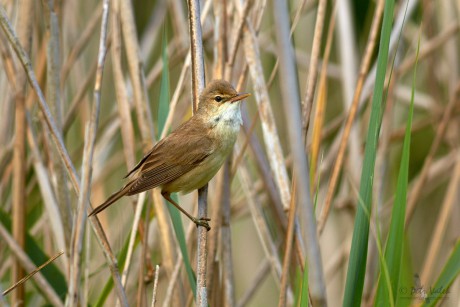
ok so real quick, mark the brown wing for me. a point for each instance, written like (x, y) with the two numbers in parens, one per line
(175, 155)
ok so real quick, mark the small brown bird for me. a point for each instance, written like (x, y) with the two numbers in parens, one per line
(192, 154)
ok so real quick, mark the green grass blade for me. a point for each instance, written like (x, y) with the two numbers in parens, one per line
(304, 298)
(358, 254)
(406, 277)
(388, 289)
(451, 270)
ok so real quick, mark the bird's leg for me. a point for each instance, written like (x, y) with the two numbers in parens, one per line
(202, 221)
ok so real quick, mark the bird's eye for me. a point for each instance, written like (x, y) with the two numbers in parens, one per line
(218, 98)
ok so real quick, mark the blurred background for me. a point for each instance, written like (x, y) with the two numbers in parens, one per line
(146, 89)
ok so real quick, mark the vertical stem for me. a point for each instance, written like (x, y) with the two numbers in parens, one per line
(19, 198)
(19, 155)
(226, 237)
(198, 81)
(290, 94)
(86, 173)
(53, 96)
(196, 46)
(202, 250)
(312, 73)
(288, 249)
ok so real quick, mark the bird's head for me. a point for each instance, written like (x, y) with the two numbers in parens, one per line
(219, 96)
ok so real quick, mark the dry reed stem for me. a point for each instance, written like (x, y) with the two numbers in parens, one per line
(307, 102)
(403, 15)
(429, 48)
(198, 84)
(19, 154)
(288, 248)
(196, 51)
(78, 99)
(372, 40)
(80, 44)
(264, 169)
(31, 274)
(132, 238)
(86, 173)
(155, 285)
(143, 111)
(180, 82)
(291, 96)
(228, 279)
(57, 138)
(135, 65)
(302, 6)
(349, 52)
(51, 205)
(269, 247)
(221, 288)
(414, 194)
(321, 102)
(445, 215)
(53, 95)
(270, 133)
(126, 123)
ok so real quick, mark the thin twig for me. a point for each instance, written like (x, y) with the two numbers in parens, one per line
(38, 269)
(26, 263)
(198, 82)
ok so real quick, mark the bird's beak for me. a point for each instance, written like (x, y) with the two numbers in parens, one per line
(239, 97)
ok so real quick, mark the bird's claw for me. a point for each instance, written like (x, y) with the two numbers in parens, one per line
(202, 221)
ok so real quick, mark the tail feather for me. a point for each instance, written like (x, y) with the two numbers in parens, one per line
(113, 198)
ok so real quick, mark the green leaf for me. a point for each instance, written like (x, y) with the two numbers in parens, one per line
(388, 289)
(304, 295)
(451, 270)
(358, 254)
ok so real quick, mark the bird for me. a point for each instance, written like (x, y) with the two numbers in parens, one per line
(189, 157)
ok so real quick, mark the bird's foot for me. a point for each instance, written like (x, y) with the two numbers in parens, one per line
(202, 221)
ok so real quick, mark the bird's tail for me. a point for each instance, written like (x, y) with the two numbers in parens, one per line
(113, 198)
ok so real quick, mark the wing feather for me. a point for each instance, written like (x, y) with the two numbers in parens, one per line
(172, 157)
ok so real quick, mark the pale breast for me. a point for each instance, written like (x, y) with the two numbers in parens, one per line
(224, 129)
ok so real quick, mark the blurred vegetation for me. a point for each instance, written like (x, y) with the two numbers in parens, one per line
(429, 255)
